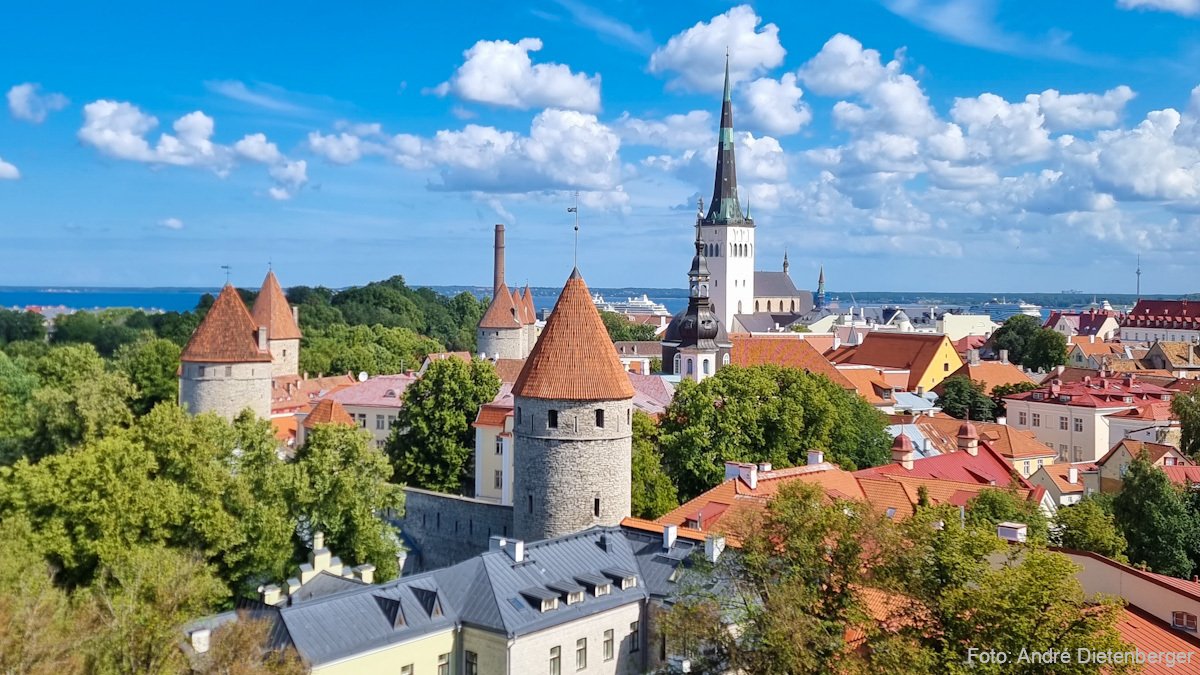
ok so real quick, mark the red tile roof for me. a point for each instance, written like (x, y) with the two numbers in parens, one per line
(328, 411)
(226, 335)
(527, 302)
(905, 351)
(1155, 451)
(964, 344)
(271, 309)
(574, 359)
(501, 313)
(1006, 441)
(987, 468)
(1083, 323)
(1164, 314)
(1151, 635)
(1096, 392)
(1059, 473)
(508, 370)
(381, 391)
(293, 393)
(789, 351)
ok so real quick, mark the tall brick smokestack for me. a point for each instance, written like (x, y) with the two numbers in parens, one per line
(498, 265)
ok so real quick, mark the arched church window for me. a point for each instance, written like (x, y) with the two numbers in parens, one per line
(768, 305)
(725, 359)
(675, 366)
(739, 306)
(691, 367)
(704, 366)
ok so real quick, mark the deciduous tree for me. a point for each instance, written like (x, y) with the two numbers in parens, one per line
(1155, 521)
(1088, 526)
(653, 492)
(150, 365)
(1015, 335)
(965, 399)
(1046, 349)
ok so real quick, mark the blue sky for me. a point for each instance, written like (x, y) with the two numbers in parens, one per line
(959, 145)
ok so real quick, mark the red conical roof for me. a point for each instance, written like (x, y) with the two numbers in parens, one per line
(271, 310)
(502, 313)
(531, 311)
(227, 334)
(328, 411)
(574, 359)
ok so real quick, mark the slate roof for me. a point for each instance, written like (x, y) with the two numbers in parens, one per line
(271, 309)
(489, 591)
(574, 359)
(501, 312)
(774, 285)
(328, 411)
(227, 334)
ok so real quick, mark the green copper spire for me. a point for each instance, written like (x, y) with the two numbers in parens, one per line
(724, 208)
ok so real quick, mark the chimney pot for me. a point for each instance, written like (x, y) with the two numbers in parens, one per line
(1003, 356)
(365, 573)
(296, 314)
(318, 540)
(270, 594)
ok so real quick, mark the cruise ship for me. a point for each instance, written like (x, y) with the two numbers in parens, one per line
(642, 305)
(1000, 310)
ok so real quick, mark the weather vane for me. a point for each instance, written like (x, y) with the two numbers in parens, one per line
(227, 269)
(575, 210)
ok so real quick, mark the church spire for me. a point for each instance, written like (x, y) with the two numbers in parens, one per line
(724, 208)
(820, 303)
(785, 262)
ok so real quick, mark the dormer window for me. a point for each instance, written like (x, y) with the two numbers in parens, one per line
(602, 590)
(390, 393)
(1183, 621)
(573, 598)
(1037, 396)
(628, 583)
(549, 604)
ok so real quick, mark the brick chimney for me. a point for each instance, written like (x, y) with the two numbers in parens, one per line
(903, 452)
(498, 261)
(968, 439)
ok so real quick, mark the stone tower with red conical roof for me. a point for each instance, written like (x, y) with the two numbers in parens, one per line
(226, 365)
(272, 313)
(572, 425)
(508, 328)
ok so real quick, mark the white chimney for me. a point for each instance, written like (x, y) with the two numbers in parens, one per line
(747, 472)
(1014, 532)
(1002, 420)
(670, 533)
(262, 338)
(713, 546)
(1003, 356)
(200, 640)
(296, 314)
(763, 467)
(270, 594)
(1073, 475)
(401, 558)
(497, 543)
(815, 457)
(517, 550)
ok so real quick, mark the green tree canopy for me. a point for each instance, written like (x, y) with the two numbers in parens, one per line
(965, 399)
(1045, 350)
(15, 326)
(151, 366)
(1014, 335)
(1155, 521)
(765, 414)
(993, 506)
(432, 443)
(374, 350)
(653, 492)
(1088, 525)
(1001, 390)
(1185, 406)
(621, 328)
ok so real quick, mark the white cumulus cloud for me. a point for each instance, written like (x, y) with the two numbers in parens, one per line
(498, 72)
(26, 102)
(1184, 7)
(690, 130)
(697, 55)
(171, 223)
(8, 171)
(775, 105)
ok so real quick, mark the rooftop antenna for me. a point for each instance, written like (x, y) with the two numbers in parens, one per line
(228, 270)
(575, 210)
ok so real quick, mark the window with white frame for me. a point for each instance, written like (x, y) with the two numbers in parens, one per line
(499, 445)
(1183, 621)
(1036, 419)
(1062, 423)
(1079, 424)
(498, 481)
(1022, 418)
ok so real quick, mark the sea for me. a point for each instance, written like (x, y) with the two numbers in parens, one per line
(674, 299)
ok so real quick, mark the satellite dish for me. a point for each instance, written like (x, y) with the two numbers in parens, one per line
(362, 377)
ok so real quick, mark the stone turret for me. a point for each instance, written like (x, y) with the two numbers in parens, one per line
(572, 425)
(698, 326)
(503, 332)
(271, 309)
(226, 365)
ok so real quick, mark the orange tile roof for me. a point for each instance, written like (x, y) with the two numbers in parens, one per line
(492, 415)
(1005, 440)
(271, 309)
(293, 393)
(1098, 348)
(1151, 635)
(993, 374)
(574, 359)
(226, 335)
(1187, 476)
(1156, 451)
(508, 370)
(501, 313)
(904, 351)
(870, 382)
(1059, 474)
(527, 301)
(789, 351)
(328, 411)
(285, 428)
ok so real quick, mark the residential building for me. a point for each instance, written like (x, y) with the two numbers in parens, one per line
(637, 355)
(1064, 483)
(225, 367)
(1111, 468)
(1153, 320)
(325, 411)
(959, 326)
(375, 403)
(886, 389)
(1089, 353)
(1077, 418)
(584, 603)
(1099, 324)
(990, 373)
(1181, 359)
(494, 448)
(934, 435)
(929, 358)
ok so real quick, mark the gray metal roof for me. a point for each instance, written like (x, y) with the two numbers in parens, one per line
(490, 591)
(774, 285)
